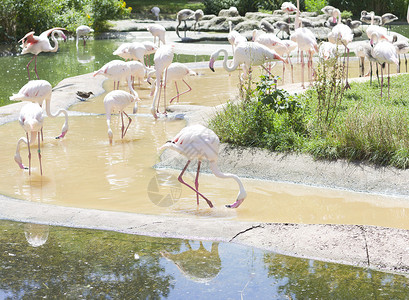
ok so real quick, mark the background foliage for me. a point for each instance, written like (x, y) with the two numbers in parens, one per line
(17, 17)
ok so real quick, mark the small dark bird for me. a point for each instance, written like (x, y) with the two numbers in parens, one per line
(84, 95)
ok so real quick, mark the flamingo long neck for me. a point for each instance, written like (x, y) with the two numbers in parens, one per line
(226, 56)
(216, 171)
(339, 16)
(372, 17)
(55, 48)
(297, 16)
(17, 156)
(61, 111)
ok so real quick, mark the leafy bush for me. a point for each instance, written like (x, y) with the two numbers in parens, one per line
(315, 5)
(243, 6)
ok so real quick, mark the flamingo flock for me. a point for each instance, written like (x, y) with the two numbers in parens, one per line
(198, 142)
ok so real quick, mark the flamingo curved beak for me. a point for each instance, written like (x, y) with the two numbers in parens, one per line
(235, 204)
(211, 63)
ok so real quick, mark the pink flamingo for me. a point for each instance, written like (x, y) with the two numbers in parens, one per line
(158, 31)
(341, 34)
(37, 44)
(177, 71)
(138, 70)
(234, 37)
(39, 91)
(135, 51)
(384, 52)
(162, 59)
(117, 70)
(119, 100)
(307, 42)
(249, 54)
(288, 8)
(31, 119)
(199, 142)
(82, 31)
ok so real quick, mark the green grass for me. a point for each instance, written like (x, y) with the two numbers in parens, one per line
(366, 127)
(168, 9)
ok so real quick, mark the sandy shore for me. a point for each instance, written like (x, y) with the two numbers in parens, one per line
(366, 246)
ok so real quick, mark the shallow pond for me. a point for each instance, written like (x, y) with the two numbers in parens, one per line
(41, 261)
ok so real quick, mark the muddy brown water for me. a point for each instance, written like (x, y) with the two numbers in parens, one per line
(84, 170)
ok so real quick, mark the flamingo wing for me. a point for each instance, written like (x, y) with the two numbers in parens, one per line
(48, 32)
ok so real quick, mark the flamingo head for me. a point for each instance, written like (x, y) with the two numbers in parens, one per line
(211, 63)
(240, 198)
(17, 159)
(153, 112)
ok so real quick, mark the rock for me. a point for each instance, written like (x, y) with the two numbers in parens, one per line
(247, 25)
(257, 16)
(231, 12)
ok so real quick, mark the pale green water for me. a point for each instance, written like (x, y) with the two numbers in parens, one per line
(41, 261)
(67, 62)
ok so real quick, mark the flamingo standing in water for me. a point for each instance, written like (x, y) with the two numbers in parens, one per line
(199, 142)
(158, 31)
(249, 54)
(82, 31)
(307, 42)
(176, 71)
(163, 58)
(138, 70)
(341, 34)
(119, 100)
(384, 52)
(31, 119)
(117, 70)
(38, 91)
(183, 15)
(37, 44)
(135, 50)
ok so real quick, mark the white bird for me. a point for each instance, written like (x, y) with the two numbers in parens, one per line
(384, 52)
(199, 14)
(31, 119)
(266, 26)
(155, 10)
(135, 50)
(328, 10)
(402, 47)
(37, 44)
(341, 34)
(288, 8)
(183, 15)
(119, 100)
(287, 47)
(162, 59)
(117, 70)
(327, 50)
(249, 54)
(175, 72)
(138, 70)
(307, 42)
(158, 31)
(39, 91)
(234, 37)
(388, 18)
(382, 31)
(82, 31)
(201, 143)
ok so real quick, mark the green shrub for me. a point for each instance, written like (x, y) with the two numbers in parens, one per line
(315, 5)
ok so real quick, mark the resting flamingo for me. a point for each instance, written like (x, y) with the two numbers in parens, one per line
(163, 58)
(341, 34)
(119, 100)
(307, 42)
(158, 31)
(82, 31)
(183, 15)
(384, 52)
(248, 53)
(31, 119)
(38, 91)
(37, 44)
(199, 142)
(117, 70)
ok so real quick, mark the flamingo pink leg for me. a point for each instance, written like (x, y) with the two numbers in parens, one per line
(39, 154)
(185, 92)
(197, 181)
(192, 188)
(29, 155)
(129, 123)
(381, 80)
(292, 70)
(347, 86)
(302, 69)
(28, 65)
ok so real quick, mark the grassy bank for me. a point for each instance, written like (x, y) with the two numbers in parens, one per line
(355, 124)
